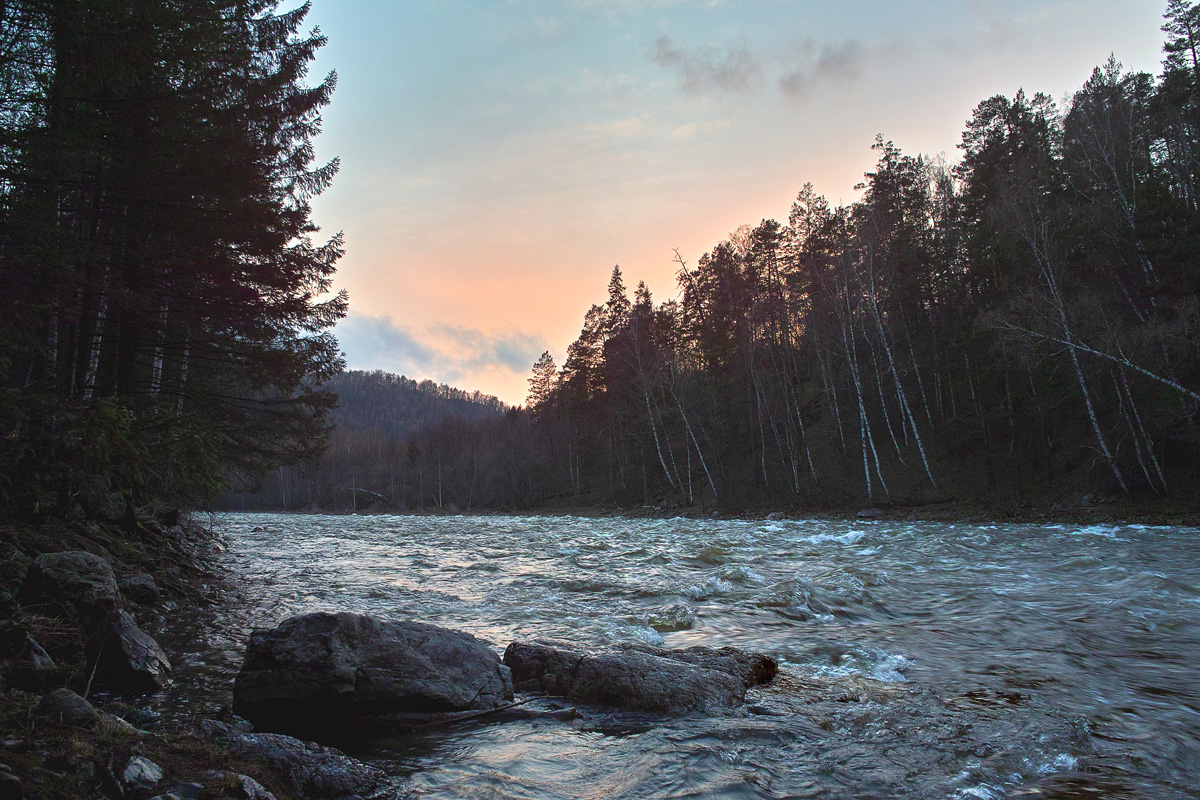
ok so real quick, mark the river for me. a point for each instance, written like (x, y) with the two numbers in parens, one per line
(961, 660)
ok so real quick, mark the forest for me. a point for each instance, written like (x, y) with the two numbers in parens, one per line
(167, 298)
(1018, 325)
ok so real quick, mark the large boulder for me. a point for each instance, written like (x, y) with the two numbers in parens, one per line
(323, 669)
(126, 657)
(310, 770)
(72, 584)
(626, 678)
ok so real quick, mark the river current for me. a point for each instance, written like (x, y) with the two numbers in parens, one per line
(917, 660)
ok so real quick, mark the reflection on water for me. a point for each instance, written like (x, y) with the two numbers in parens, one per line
(919, 659)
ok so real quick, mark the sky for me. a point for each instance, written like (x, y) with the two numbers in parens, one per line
(499, 158)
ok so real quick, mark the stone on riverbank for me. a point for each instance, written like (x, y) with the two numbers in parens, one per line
(65, 709)
(320, 669)
(30, 667)
(62, 708)
(310, 770)
(72, 584)
(128, 657)
(141, 773)
(629, 679)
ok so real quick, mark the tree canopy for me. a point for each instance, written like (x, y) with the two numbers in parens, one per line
(170, 302)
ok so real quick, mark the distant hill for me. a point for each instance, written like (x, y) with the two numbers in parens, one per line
(398, 406)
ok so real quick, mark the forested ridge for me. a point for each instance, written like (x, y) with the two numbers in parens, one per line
(1018, 325)
(386, 451)
(166, 295)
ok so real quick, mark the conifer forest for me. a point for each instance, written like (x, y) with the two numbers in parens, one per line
(166, 294)
(1017, 324)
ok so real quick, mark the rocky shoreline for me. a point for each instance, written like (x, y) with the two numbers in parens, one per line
(80, 658)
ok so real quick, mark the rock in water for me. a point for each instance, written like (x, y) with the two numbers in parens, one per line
(323, 669)
(753, 669)
(129, 658)
(629, 679)
(73, 584)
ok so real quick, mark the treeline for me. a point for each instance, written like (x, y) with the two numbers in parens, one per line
(1021, 326)
(164, 329)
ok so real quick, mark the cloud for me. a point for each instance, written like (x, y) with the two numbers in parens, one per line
(700, 69)
(444, 353)
(832, 64)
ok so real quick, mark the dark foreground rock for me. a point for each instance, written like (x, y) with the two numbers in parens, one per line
(29, 665)
(322, 669)
(82, 587)
(310, 770)
(633, 679)
(126, 656)
(65, 709)
(72, 584)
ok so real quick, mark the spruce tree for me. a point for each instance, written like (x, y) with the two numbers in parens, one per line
(156, 229)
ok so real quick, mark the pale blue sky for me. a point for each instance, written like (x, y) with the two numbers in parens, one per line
(498, 158)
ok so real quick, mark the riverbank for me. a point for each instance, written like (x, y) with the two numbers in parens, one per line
(1087, 510)
(62, 736)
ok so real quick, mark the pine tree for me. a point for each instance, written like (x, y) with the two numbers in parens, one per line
(541, 385)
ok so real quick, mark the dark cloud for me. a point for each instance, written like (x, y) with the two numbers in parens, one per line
(840, 63)
(701, 69)
(444, 353)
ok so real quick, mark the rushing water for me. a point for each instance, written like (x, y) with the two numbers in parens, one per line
(973, 661)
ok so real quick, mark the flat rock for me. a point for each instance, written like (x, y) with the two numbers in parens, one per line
(310, 770)
(72, 584)
(628, 679)
(242, 787)
(327, 669)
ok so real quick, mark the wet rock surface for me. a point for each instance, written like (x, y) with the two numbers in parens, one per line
(628, 679)
(320, 669)
(310, 770)
(753, 669)
(127, 657)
